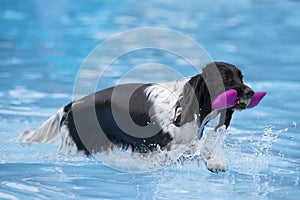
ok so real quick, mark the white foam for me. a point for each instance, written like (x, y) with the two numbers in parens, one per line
(7, 196)
(139, 163)
(21, 92)
(20, 186)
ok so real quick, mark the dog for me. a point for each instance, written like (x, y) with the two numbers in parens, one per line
(145, 118)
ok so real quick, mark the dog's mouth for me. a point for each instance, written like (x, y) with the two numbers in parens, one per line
(231, 99)
(242, 103)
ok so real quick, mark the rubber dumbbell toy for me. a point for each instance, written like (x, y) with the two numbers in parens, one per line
(228, 99)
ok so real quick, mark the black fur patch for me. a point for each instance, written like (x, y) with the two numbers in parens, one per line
(100, 104)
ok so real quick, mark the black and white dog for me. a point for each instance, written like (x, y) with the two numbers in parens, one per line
(144, 117)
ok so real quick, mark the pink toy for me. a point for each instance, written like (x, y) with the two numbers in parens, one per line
(226, 99)
(257, 97)
(229, 99)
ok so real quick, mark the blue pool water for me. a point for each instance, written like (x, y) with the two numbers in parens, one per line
(43, 44)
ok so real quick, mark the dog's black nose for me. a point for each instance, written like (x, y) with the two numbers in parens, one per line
(248, 93)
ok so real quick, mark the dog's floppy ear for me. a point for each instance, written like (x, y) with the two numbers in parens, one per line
(188, 106)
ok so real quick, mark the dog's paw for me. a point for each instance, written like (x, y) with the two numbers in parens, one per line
(217, 165)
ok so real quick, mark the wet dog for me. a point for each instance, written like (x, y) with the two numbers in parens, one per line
(144, 118)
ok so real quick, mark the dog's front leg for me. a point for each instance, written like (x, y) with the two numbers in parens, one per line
(212, 152)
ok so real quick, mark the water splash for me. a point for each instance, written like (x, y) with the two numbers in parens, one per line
(128, 161)
(269, 136)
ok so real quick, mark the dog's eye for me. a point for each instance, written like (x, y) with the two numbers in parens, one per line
(227, 79)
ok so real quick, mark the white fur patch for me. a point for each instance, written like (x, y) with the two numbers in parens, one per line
(46, 133)
(67, 144)
(164, 97)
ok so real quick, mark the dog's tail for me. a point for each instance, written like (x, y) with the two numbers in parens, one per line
(46, 133)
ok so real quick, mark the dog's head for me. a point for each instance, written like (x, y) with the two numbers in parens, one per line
(233, 79)
(202, 89)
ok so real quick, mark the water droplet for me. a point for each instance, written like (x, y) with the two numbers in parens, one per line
(294, 124)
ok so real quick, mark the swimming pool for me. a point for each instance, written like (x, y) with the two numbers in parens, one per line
(43, 44)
